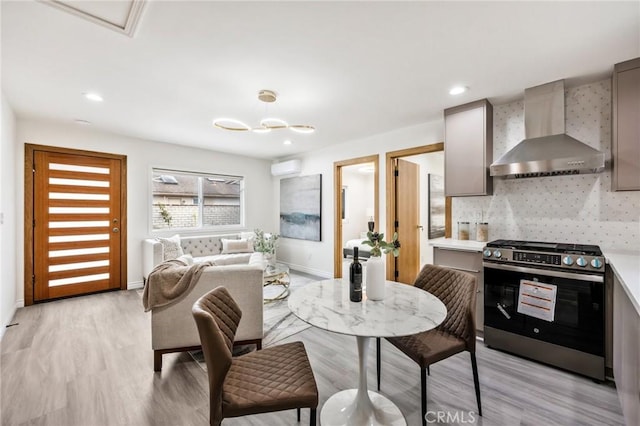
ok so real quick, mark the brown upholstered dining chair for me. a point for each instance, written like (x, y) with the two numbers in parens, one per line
(457, 333)
(272, 379)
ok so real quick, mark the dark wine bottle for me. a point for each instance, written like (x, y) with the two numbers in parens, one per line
(355, 278)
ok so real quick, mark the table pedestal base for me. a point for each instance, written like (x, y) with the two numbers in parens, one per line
(347, 408)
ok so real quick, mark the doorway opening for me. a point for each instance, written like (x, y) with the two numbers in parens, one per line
(356, 190)
(75, 225)
(416, 207)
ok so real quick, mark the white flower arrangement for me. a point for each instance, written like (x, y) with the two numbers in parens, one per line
(265, 243)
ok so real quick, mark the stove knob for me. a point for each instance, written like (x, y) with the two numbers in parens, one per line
(581, 262)
(596, 263)
(487, 253)
(567, 260)
(497, 254)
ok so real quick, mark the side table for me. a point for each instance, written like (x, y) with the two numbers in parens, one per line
(277, 274)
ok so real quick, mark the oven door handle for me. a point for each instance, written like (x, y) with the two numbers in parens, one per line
(559, 274)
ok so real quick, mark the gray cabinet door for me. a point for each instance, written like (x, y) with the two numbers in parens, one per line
(468, 149)
(626, 126)
(626, 353)
(469, 262)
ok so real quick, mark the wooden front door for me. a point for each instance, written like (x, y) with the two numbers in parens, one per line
(77, 223)
(407, 220)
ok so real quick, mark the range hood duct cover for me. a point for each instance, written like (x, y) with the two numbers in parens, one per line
(547, 149)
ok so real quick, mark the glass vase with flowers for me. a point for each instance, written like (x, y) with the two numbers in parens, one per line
(375, 266)
(267, 245)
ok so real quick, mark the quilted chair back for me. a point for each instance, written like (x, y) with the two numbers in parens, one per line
(217, 316)
(457, 290)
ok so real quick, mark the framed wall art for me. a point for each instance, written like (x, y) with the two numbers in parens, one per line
(436, 202)
(300, 207)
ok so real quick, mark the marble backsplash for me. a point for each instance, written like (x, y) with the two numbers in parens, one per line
(574, 209)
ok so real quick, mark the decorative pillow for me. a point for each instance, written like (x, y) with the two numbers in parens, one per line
(171, 247)
(236, 246)
(232, 259)
(249, 236)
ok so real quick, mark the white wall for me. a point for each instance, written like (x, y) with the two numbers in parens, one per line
(141, 156)
(317, 257)
(578, 209)
(8, 246)
(581, 209)
(360, 197)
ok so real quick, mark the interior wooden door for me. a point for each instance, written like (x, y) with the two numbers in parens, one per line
(407, 220)
(76, 224)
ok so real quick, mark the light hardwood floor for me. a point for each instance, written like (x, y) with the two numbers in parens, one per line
(88, 361)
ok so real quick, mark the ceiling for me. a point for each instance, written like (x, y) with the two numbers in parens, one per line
(351, 69)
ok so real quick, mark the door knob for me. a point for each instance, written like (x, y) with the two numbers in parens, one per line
(420, 227)
(116, 230)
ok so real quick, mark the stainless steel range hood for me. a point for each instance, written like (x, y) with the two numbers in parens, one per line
(547, 149)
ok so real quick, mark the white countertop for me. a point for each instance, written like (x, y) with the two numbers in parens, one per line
(468, 245)
(404, 310)
(626, 266)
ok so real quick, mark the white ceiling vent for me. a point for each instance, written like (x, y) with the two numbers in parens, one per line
(120, 16)
(290, 167)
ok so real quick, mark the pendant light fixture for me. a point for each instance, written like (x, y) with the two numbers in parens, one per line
(266, 124)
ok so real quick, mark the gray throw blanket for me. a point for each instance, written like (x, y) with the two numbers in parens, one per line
(170, 280)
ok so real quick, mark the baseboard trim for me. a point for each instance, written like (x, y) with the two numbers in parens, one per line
(19, 304)
(135, 285)
(311, 271)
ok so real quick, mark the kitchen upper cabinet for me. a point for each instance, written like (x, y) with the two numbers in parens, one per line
(625, 152)
(468, 149)
(469, 262)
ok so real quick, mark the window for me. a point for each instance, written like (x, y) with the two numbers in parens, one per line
(187, 200)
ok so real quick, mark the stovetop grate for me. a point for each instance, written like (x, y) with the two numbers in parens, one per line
(547, 247)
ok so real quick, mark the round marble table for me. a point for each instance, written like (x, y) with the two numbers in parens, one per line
(405, 310)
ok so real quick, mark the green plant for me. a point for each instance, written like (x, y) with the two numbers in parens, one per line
(164, 212)
(379, 245)
(265, 243)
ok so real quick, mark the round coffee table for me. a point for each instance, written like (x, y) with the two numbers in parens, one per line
(277, 274)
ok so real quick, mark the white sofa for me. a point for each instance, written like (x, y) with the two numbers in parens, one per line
(172, 326)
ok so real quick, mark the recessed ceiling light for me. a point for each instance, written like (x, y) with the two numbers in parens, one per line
(457, 90)
(287, 142)
(93, 96)
(84, 122)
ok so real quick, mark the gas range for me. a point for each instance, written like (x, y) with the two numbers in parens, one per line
(555, 255)
(546, 301)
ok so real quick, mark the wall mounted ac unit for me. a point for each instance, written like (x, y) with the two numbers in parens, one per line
(290, 167)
